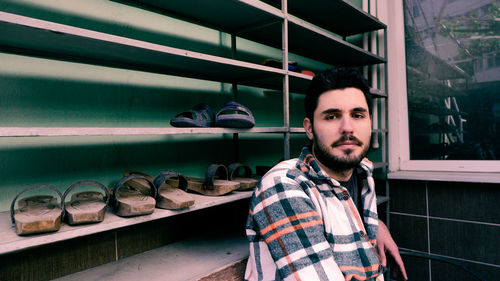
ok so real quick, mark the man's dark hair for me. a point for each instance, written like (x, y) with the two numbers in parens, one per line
(333, 79)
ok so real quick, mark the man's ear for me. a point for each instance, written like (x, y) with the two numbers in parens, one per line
(308, 126)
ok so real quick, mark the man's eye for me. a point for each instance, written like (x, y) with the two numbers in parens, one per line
(358, 115)
(331, 117)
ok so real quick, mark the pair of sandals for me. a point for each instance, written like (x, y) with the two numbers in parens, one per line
(43, 213)
(220, 180)
(144, 193)
(231, 115)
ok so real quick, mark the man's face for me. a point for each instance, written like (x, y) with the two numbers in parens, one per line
(341, 130)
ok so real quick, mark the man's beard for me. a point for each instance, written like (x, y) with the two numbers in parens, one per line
(338, 163)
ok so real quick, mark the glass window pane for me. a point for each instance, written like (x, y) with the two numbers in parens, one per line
(453, 79)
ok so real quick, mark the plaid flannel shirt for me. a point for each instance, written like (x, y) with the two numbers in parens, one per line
(303, 225)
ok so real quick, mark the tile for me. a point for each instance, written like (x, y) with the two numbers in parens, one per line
(448, 271)
(409, 232)
(417, 269)
(59, 259)
(465, 201)
(407, 197)
(465, 240)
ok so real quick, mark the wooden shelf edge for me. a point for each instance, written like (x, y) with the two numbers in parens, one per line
(122, 131)
(11, 242)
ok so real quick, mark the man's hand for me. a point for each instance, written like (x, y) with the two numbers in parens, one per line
(385, 243)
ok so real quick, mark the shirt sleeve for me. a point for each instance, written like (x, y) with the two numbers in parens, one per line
(285, 219)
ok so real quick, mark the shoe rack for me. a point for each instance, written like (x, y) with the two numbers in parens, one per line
(316, 29)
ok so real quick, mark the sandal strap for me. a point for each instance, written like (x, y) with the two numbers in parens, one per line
(212, 171)
(123, 180)
(36, 186)
(234, 106)
(235, 167)
(204, 110)
(198, 112)
(85, 182)
(165, 175)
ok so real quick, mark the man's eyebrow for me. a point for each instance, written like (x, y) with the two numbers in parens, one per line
(359, 109)
(336, 110)
(331, 110)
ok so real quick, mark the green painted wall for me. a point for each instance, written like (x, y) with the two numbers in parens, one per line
(38, 91)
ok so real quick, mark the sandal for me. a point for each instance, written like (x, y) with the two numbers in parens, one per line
(87, 206)
(234, 115)
(168, 197)
(130, 202)
(201, 115)
(37, 214)
(246, 181)
(210, 185)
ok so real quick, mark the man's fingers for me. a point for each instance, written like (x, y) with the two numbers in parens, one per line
(399, 263)
(401, 267)
(383, 259)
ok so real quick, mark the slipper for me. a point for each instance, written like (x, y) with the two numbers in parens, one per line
(292, 65)
(246, 181)
(168, 197)
(131, 202)
(37, 214)
(201, 115)
(87, 206)
(234, 115)
(210, 185)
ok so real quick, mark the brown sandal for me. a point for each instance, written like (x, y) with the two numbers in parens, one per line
(129, 202)
(37, 214)
(168, 197)
(210, 185)
(86, 206)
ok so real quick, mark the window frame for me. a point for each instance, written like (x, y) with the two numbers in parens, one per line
(399, 142)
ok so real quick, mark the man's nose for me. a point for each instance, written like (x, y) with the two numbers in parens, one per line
(346, 126)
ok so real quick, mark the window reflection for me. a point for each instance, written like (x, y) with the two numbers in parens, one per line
(453, 73)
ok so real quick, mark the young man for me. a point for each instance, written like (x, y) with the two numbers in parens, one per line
(315, 217)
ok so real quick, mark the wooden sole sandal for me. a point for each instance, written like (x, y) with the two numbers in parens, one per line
(168, 197)
(87, 206)
(37, 214)
(246, 181)
(130, 202)
(210, 185)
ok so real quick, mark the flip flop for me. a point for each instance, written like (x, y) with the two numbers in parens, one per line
(201, 115)
(87, 206)
(129, 202)
(168, 197)
(36, 214)
(234, 115)
(246, 181)
(210, 185)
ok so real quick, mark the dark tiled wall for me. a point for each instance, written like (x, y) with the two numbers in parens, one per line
(457, 221)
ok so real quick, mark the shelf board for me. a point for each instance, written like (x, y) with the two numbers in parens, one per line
(189, 259)
(108, 131)
(327, 47)
(376, 93)
(29, 36)
(382, 199)
(11, 242)
(333, 16)
(234, 17)
(260, 22)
